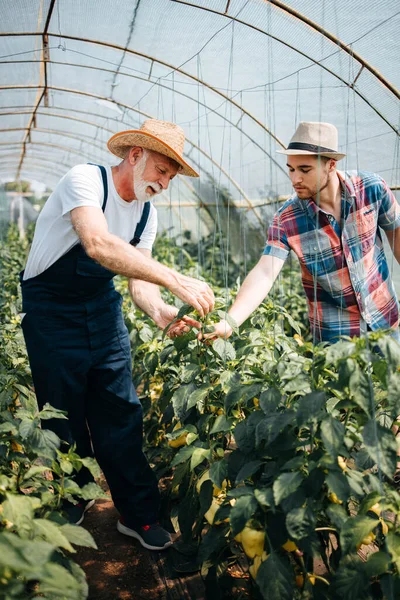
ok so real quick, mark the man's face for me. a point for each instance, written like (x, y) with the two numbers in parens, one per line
(152, 174)
(308, 174)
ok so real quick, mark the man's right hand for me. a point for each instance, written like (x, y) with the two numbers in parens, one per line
(194, 292)
(221, 329)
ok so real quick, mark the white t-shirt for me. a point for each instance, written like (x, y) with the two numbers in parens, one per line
(83, 186)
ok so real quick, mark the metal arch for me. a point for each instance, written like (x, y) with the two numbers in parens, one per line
(158, 61)
(229, 177)
(48, 145)
(35, 158)
(60, 132)
(336, 41)
(364, 63)
(43, 77)
(169, 89)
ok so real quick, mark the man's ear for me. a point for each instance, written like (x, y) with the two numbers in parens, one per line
(135, 154)
(332, 165)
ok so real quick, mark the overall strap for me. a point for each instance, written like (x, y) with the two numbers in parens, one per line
(141, 225)
(105, 184)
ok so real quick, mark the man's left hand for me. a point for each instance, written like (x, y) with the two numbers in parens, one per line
(180, 327)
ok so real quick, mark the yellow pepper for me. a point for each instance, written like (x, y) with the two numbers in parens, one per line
(178, 442)
(252, 541)
(253, 569)
(299, 581)
(289, 546)
(385, 528)
(206, 477)
(367, 540)
(333, 498)
(342, 463)
(210, 514)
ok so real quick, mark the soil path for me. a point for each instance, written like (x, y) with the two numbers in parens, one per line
(121, 569)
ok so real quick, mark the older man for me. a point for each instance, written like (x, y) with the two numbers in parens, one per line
(97, 223)
(332, 223)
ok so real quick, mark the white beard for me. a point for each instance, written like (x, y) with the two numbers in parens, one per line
(140, 185)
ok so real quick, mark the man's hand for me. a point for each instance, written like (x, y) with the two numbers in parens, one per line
(221, 329)
(194, 292)
(168, 314)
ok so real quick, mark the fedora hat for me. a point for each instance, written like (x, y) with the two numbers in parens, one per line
(159, 136)
(318, 139)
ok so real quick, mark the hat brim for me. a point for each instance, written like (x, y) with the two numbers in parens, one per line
(120, 143)
(335, 155)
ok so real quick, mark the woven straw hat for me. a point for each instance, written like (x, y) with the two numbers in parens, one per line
(314, 138)
(159, 136)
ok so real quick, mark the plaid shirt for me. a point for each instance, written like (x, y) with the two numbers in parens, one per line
(344, 269)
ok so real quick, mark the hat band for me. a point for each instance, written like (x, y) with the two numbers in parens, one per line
(309, 147)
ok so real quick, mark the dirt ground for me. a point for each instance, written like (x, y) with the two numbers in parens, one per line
(120, 569)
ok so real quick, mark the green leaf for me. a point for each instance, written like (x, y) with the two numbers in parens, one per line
(27, 427)
(270, 427)
(66, 466)
(393, 545)
(35, 470)
(221, 424)
(310, 407)
(183, 455)
(332, 433)
(179, 400)
(360, 387)
(206, 496)
(380, 443)
(350, 581)
(197, 396)
(18, 509)
(300, 523)
(270, 400)
(354, 530)
(51, 533)
(337, 483)
(199, 454)
(184, 310)
(377, 564)
(78, 535)
(248, 470)
(219, 472)
(286, 484)
(224, 349)
(275, 579)
(57, 580)
(91, 491)
(265, 497)
(189, 372)
(23, 554)
(92, 465)
(242, 512)
(44, 443)
(48, 412)
(241, 393)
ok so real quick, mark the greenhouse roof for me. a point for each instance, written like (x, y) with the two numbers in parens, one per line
(237, 75)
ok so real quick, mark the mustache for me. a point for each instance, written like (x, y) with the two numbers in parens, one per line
(154, 186)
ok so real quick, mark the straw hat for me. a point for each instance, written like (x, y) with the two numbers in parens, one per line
(314, 138)
(159, 136)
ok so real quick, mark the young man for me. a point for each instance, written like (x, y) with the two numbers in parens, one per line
(333, 224)
(77, 342)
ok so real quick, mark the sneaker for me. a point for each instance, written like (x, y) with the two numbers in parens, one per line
(152, 537)
(76, 512)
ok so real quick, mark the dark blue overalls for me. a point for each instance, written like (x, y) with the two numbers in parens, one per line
(79, 351)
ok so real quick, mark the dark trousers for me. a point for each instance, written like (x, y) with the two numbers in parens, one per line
(81, 363)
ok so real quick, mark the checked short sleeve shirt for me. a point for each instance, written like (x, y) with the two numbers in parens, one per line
(344, 269)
